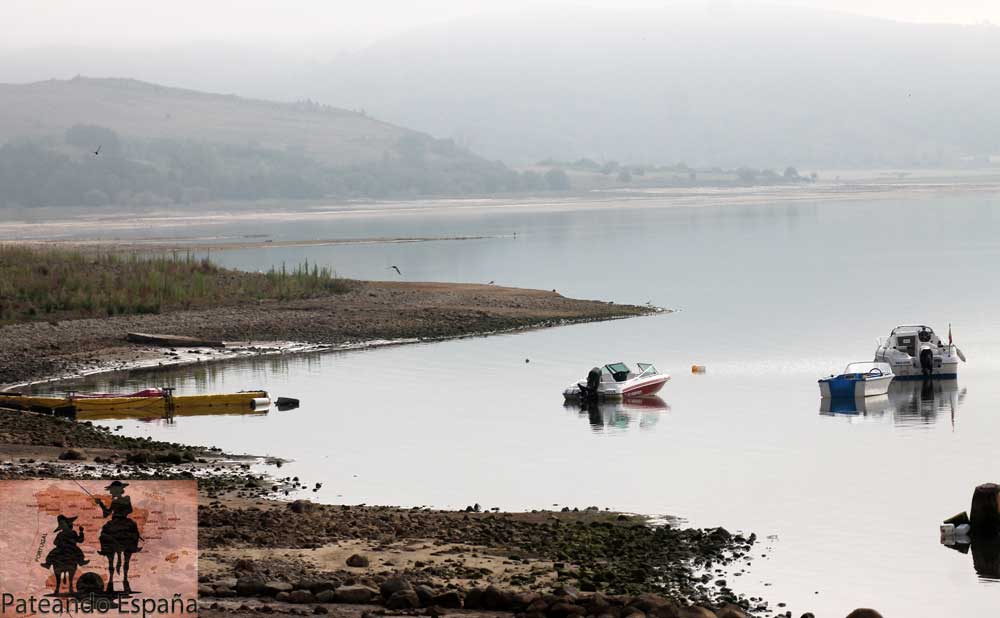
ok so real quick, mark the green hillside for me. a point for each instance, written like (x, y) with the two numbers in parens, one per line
(162, 145)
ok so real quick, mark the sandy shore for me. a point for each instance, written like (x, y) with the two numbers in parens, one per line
(371, 313)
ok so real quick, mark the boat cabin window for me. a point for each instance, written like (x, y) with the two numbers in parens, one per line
(907, 343)
(619, 371)
(646, 369)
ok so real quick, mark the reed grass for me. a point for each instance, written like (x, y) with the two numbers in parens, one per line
(52, 284)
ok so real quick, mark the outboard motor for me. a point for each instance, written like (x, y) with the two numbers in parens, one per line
(926, 362)
(589, 392)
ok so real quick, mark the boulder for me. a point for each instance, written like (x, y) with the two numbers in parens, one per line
(358, 561)
(301, 596)
(393, 585)
(272, 588)
(474, 598)
(648, 602)
(495, 599)
(864, 612)
(205, 590)
(404, 599)
(449, 599)
(302, 506)
(424, 593)
(249, 586)
(319, 586)
(225, 582)
(596, 604)
(984, 515)
(564, 609)
(326, 596)
(282, 596)
(671, 610)
(537, 606)
(355, 594)
(520, 601)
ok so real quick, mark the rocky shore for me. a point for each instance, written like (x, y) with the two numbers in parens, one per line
(370, 311)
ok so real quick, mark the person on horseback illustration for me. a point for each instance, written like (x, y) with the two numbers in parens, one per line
(119, 536)
(66, 556)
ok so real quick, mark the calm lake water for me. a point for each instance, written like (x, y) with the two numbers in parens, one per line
(769, 298)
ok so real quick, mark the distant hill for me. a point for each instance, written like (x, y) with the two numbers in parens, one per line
(140, 110)
(718, 85)
(164, 145)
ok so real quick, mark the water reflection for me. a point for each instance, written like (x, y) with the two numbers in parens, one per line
(620, 415)
(187, 379)
(873, 407)
(985, 556)
(908, 402)
(921, 401)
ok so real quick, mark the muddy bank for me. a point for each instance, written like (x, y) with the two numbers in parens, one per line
(371, 311)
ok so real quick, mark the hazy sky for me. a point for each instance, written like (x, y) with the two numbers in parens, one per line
(293, 24)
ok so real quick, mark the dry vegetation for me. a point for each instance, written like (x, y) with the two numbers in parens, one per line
(37, 284)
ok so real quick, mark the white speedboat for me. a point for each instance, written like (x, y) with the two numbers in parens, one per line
(617, 381)
(858, 380)
(916, 352)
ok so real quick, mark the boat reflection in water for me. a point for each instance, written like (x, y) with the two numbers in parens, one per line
(622, 414)
(985, 556)
(906, 403)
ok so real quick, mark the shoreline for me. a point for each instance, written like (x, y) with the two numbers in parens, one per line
(46, 225)
(374, 314)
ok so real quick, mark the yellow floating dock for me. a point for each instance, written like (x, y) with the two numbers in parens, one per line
(124, 407)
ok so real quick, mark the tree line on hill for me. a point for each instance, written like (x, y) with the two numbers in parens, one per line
(72, 171)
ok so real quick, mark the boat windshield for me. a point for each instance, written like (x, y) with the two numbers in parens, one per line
(619, 371)
(646, 369)
(875, 369)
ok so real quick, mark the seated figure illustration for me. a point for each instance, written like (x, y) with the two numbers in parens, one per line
(66, 555)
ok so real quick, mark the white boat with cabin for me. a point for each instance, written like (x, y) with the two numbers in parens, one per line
(916, 352)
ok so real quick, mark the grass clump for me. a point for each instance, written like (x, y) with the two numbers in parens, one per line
(53, 284)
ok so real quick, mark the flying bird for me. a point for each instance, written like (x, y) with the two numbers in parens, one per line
(396, 268)
(98, 151)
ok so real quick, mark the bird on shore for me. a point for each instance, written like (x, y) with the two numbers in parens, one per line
(396, 268)
(98, 151)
